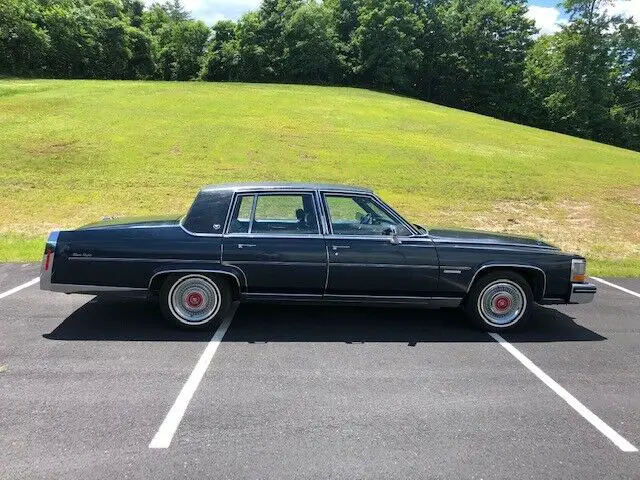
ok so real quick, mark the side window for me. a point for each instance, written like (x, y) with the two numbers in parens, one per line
(241, 215)
(285, 214)
(357, 215)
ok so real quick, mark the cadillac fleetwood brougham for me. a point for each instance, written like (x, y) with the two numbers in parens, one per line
(309, 243)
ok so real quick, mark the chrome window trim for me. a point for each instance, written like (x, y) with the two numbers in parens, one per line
(510, 265)
(383, 206)
(255, 194)
(164, 271)
(195, 234)
(271, 235)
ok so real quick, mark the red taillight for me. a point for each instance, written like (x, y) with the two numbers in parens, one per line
(47, 260)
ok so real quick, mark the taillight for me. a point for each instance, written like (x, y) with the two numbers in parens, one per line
(578, 270)
(47, 261)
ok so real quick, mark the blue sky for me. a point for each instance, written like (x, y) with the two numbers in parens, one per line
(544, 12)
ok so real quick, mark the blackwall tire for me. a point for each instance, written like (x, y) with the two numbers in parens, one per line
(500, 301)
(194, 301)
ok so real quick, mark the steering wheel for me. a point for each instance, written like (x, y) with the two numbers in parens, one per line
(367, 219)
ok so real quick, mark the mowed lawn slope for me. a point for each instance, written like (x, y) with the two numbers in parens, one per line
(72, 152)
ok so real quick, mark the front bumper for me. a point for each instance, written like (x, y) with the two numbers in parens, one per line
(582, 292)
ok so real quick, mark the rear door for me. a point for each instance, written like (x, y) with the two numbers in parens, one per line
(275, 239)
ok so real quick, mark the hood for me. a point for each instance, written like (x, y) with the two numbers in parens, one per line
(134, 222)
(491, 238)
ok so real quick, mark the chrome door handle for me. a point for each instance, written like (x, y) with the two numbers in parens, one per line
(340, 247)
(246, 245)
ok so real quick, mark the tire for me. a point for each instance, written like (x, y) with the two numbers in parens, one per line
(194, 301)
(500, 301)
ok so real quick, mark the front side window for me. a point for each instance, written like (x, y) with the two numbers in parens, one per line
(274, 214)
(359, 215)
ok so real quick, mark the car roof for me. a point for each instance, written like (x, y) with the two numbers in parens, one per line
(285, 186)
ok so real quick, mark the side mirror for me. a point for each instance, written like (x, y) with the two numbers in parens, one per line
(394, 235)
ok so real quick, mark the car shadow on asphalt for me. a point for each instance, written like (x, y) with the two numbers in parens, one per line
(108, 318)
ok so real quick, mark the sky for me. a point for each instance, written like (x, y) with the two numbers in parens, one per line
(547, 16)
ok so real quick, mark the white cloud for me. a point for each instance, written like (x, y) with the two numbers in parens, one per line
(626, 8)
(211, 11)
(547, 19)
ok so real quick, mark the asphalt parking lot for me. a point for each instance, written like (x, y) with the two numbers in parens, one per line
(86, 384)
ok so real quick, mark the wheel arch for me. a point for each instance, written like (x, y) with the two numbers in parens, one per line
(158, 277)
(535, 276)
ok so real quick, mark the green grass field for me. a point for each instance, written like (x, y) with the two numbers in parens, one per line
(75, 151)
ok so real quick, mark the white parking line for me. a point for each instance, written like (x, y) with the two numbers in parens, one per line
(162, 438)
(20, 287)
(626, 290)
(592, 418)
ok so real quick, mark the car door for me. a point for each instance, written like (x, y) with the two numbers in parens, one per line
(373, 252)
(275, 239)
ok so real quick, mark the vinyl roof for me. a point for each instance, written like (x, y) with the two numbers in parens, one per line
(285, 186)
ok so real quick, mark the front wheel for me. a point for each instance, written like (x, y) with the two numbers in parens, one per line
(500, 301)
(194, 301)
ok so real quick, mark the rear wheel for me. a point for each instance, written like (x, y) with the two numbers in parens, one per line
(194, 301)
(499, 301)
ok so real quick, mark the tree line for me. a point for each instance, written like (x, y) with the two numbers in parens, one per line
(479, 55)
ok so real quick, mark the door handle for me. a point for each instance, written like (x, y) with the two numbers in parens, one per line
(246, 245)
(340, 247)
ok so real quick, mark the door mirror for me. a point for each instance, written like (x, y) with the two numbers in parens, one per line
(393, 232)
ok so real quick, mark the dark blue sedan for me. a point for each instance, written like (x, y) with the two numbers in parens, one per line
(309, 243)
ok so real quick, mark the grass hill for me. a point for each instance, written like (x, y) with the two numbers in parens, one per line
(75, 151)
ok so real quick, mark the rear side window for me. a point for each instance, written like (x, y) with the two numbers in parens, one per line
(241, 217)
(274, 214)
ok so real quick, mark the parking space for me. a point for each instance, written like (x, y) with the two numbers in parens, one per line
(321, 392)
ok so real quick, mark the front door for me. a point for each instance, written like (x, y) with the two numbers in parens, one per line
(275, 239)
(372, 252)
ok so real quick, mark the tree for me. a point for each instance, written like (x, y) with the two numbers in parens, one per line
(310, 54)
(480, 58)
(222, 58)
(385, 42)
(569, 73)
(24, 44)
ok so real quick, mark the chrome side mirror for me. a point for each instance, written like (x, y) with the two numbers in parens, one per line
(394, 235)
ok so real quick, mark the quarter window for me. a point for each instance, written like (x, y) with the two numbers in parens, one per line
(359, 215)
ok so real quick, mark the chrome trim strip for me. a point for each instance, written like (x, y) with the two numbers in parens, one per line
(268, 262)
(260, 294)
(452, 271)
(393, 296)
(90, 289)
(454, 267)
(136, 259)
(381, 265)
(509, 265)
(492, 246)
(224, 272)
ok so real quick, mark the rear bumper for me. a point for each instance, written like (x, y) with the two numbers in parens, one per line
(582, 292)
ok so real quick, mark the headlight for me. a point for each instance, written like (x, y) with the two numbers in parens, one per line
(578, 270)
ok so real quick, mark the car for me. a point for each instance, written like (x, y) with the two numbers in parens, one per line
(298, 242)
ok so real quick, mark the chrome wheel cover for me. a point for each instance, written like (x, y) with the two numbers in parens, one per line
(502, 303)
(194, 299)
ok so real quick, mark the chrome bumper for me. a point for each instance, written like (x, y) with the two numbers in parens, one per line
(582, 292)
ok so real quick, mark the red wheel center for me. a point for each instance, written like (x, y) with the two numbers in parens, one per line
(194, 299)
(502, 303)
